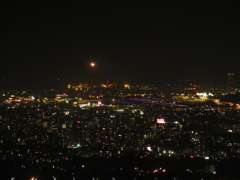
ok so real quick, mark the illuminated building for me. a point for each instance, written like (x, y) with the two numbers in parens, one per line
(81, 86)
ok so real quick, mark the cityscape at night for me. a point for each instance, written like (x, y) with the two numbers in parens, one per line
(119, 91)
(122, 131)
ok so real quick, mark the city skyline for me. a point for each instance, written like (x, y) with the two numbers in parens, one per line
(43, 44)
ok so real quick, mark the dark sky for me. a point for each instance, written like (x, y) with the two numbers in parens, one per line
(130, 42)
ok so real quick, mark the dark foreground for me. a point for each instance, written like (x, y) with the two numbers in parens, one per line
(121, 168)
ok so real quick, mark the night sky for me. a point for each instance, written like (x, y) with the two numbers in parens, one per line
(52, 44)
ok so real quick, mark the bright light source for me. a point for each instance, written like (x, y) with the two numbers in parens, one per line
(92, 64)
(206, 157)
(126, 85)
(161, 121)
(149, 148)
(164, 170)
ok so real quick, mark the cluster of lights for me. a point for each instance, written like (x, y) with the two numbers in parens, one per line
(160, 170)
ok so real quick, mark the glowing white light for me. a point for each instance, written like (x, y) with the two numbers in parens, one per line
(206, 157)
(149, 148)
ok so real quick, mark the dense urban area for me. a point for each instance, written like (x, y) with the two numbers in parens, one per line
(181, 130)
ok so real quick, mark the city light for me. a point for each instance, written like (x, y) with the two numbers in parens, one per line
(120, 90)
(149, 148)
(153, 127)
(127, 86)
(160, 121)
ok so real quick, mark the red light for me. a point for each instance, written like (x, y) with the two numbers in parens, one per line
(191, 156)
(61, 95)
(78, 122)
(164, 170)
(156, 171)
